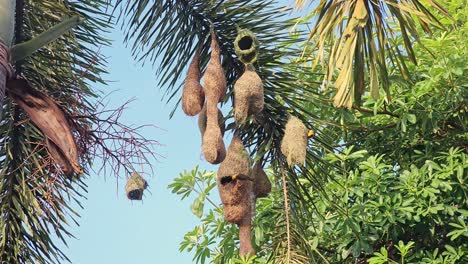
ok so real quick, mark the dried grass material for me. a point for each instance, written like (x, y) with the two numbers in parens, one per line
(245, 46)
(245, 237)
(213, 145)
(193, 96)
(135, 187)
(48, 117)
(234, 213)
(214, 80)
(248, 95)
(202, 121)
(294, 143)
(235, 195)
(262, 185)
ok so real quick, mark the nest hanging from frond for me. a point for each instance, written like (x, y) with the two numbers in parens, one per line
(45, 113)
(294, 143)
(193, 96)
(236, 193)
(245, 46)
(135, 187)
(248, 95)
(214, 80)
(262, 185)
(202, 119)
(213, 145)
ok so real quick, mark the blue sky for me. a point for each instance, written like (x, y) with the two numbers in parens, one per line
(113, 229)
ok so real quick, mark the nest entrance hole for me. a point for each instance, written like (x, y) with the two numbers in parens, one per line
(245, 43)
(135, 195)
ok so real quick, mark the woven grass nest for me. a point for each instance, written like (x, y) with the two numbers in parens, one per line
(135, 187)
(294, 143)
(236, 195)
(248, 95)
(202, 119)
(262, 185)
(213, 147)
(47, 115)
(214, 80)
(193, 96)
(246, 46)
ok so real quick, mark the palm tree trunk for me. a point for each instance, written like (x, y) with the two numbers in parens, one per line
(7, 29)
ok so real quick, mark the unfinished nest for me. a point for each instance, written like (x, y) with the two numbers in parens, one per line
(213, 145)
(294, 143)
(202, 118)
(135, 187)
(214, 80)
(45, 113)
(262, 185)
(245, 46)
(193, 96)
(248, 95)
(235, 192)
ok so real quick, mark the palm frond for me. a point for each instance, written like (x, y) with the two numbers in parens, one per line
(172, 30)
(35, 197)
(357, 39)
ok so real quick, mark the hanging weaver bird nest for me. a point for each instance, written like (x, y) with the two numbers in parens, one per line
(202, 118)
(235, 183)
(245, 46)
(214, 80)
(193, 96)
(46, 114)
(135, 187)
(262, 185)
(294, 143)
(213, 145)
(248, 95)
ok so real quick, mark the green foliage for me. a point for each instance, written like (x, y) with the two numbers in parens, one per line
(384, 204)
(379, 212)
(425, 117)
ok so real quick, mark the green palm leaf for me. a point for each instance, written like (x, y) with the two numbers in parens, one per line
(35, 198)
(172, 30)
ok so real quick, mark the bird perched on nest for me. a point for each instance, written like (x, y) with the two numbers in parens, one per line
(231, 178)
(310, 134)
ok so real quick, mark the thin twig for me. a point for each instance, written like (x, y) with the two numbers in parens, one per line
(286, 210)
(369, 111)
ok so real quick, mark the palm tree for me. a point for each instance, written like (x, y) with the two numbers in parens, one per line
(352, 36)
(37, 189)
(36, 194)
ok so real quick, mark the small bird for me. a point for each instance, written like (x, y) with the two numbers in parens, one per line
(227, 179)
(310, 134)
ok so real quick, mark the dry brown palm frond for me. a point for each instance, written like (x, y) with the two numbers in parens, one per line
(355, 40)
